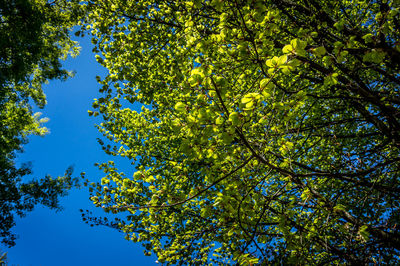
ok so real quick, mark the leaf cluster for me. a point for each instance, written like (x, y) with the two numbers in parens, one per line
(34, 38)
(269, 130)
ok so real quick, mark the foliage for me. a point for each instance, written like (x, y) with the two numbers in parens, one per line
(18, 198)
(34, 37)
(3, 259)
(269, 130)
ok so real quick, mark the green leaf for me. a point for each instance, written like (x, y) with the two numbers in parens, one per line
(180, 107)
(368, 38)
(287, 48)
(234, 118)
(374, 56)
(363, 232)
(319, 51)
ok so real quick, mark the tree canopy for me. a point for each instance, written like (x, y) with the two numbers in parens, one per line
(269, 130)
(34, 38)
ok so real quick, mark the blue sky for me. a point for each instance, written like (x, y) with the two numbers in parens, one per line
(47, 238)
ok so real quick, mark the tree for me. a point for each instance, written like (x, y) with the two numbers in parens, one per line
(269, 130)
(34, 37)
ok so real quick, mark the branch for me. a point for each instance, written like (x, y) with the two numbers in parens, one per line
(131, 207)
